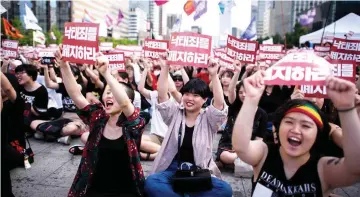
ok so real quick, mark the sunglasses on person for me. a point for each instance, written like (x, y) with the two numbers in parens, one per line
(177, 79)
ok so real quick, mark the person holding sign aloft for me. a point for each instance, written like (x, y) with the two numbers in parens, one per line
(187, 146)
(110, 164)
(293, 167)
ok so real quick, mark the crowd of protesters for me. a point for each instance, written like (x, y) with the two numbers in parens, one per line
(288, 144)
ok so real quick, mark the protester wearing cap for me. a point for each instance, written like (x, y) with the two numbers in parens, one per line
(294, 163)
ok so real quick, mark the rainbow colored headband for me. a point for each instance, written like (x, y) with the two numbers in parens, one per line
(309, 111)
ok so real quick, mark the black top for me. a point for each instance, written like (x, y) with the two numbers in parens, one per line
(186, 150)
(273, 182)
(271, 102)
(226, 99)
(68, 103)
(259, 125)
(38, 99)
(113, 175)
(12, 119)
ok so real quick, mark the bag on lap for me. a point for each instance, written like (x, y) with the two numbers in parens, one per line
(193, 179)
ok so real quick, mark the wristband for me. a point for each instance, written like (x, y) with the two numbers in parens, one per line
(346, 110)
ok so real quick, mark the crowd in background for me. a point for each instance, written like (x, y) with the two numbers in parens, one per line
(287, 143)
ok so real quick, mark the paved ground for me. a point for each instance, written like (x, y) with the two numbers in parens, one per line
(52, 173)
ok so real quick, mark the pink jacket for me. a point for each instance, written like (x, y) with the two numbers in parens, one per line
(206, 126)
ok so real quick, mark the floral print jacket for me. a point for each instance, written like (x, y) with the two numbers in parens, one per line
(94, 115)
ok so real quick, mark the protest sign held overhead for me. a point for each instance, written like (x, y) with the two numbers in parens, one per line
(189, 49)
(129, 50)
(217, 52)
(81, 42)
(322, 51)
(154, 48)
(9, 48)
(343, 49)
(242, 50)
(226, 61)
(47, 56)
(342, 69)
(302, 68)
(116, 60)
(271, 51)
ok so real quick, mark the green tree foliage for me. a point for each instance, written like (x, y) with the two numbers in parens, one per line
(57, 33)
(27, 39)
(118, 41)
(292, 38)
(260, 40)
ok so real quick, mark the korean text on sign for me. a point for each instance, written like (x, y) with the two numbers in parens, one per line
(116, 60)
(80, 43)
(342, 69)
(343, 49)
(10, 48)
(189, 49)
(154, 48)
(242, 50)
(299, 69)
(226, 61)
(271, 51)
(322, 51)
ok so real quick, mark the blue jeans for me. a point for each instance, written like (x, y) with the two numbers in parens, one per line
(159, 185)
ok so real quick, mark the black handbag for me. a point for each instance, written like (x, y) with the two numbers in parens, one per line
(193, 179)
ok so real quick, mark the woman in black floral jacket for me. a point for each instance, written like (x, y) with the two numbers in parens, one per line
(110, 163)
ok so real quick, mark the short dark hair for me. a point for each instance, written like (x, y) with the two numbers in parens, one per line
(29, 69)
(307, 44)
(123, 75)
(322, 135)
(196, 86)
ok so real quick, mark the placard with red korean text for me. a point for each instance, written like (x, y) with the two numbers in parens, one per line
(189, 49)
(129, 50)
(271, 51)
(303, 68)
(342, 69)
(116, 60)
(226, 61)
(343, 49)
(242, 50)
(154, 48)
(81, 42)
(9, 48)
(322, 51)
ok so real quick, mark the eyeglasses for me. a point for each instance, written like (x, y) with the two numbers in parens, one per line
(177, 79)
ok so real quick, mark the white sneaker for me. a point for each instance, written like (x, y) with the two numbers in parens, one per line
(38, 135)
(64, 140)
(242, 169)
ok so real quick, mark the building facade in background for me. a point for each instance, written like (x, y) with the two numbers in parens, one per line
(156, 16)
(284, 14)
(49, 13)
(263, 18)
(97, 11)
(137, 24)
(331, 11)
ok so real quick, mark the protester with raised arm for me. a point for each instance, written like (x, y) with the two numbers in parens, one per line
(110, 164)
(226, 156)
(197, 128)
(294, 163)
